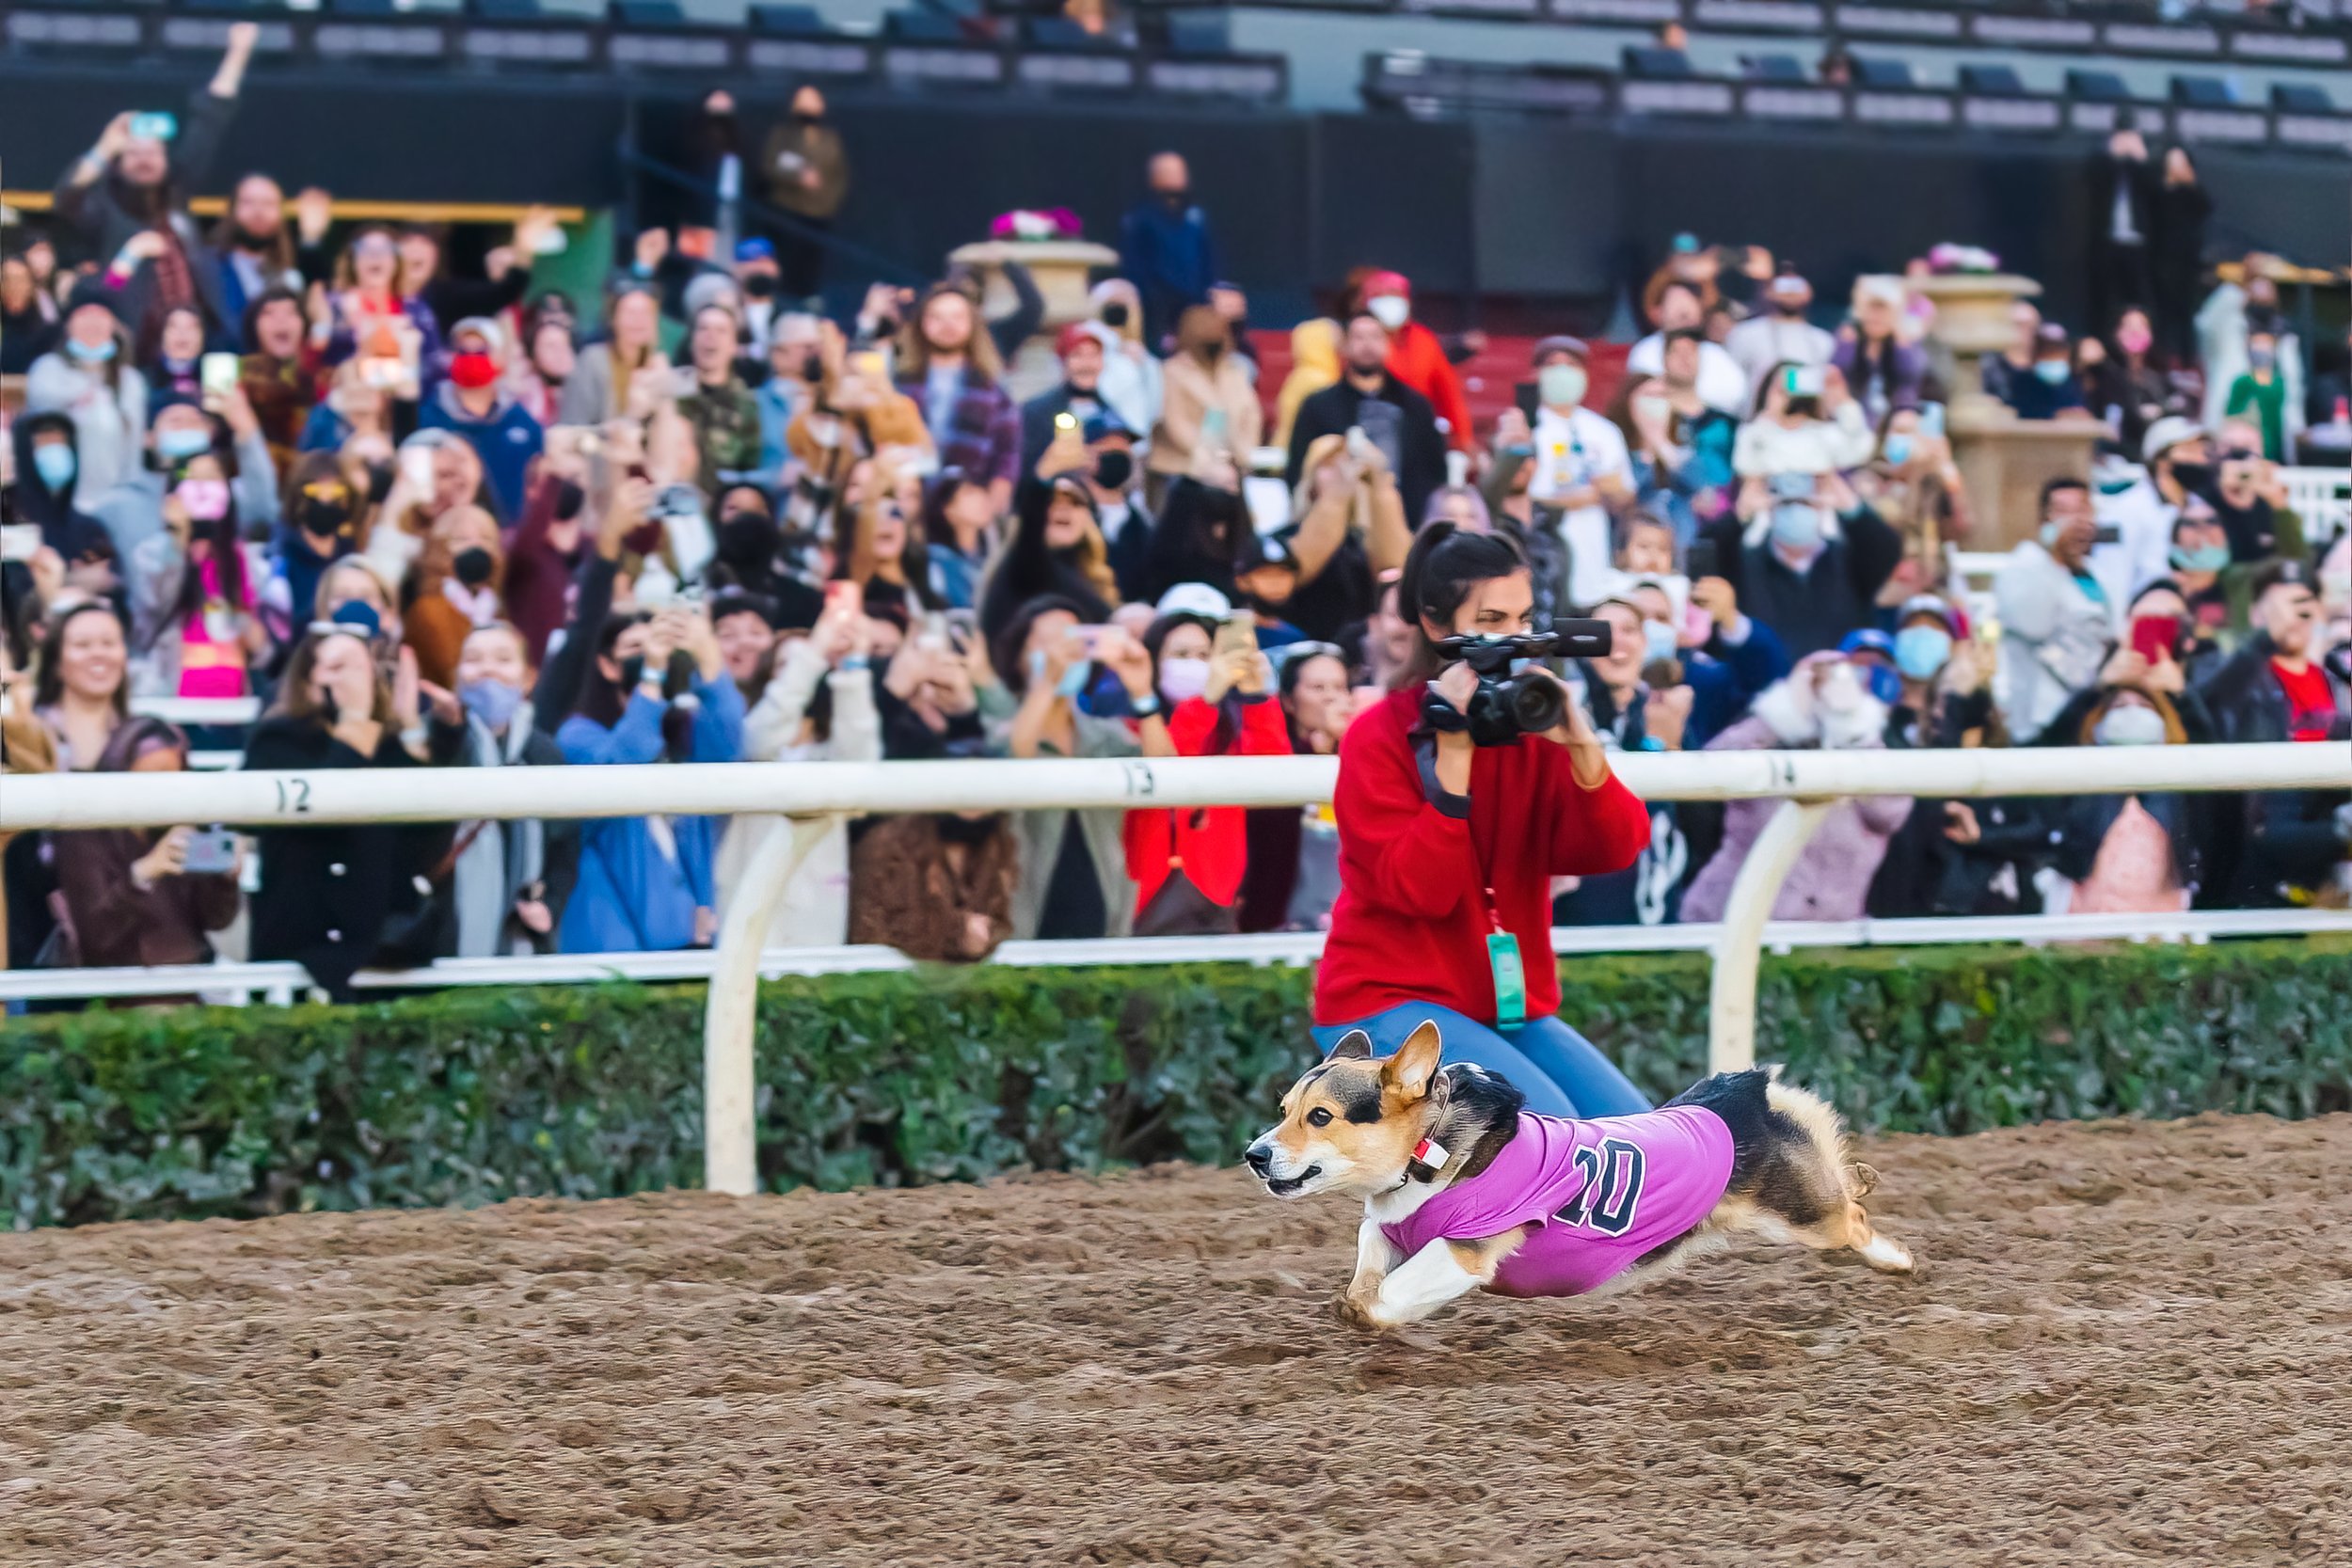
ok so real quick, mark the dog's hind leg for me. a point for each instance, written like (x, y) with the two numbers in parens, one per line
(1813, 1192)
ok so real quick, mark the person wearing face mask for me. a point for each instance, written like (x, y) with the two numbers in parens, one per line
(2249, 502)
(2262, 391)
(1368, 397)
(1132, 382)
(504, 884)
(1188, 865)
(2177, 464)
(2123, 854)
(2126, 381)
(1810, 561)
(1916, 487)
(2048, 389)
(474, 402)
(2056, 617)
(1779, 334)
(88, 378)
(1583, 469)
(47, 465)
(1950, 856)
(319, 525)
(1115, 480)
(1166, 248)
(457, 590)
(329, 896)
(2278, 688)
(1825, 703)
(2225, 326)
(1416, 357)
(194, 633)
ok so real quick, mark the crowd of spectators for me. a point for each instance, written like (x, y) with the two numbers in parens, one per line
(443, 520)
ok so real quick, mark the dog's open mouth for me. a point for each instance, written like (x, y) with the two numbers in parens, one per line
(1286, 1186)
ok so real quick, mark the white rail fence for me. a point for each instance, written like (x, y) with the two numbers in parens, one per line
(1808, 782)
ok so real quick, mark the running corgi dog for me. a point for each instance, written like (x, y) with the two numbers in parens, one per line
(1464, 1190)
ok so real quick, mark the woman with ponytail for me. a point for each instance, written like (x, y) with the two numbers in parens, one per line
(1447, 850)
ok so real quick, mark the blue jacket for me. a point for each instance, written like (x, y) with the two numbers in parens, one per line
(1725, 677)
(631, 898)
(506, 441)
(1171, 260)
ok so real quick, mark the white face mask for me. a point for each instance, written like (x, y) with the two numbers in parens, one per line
(2130, 726)
(1658, 640)
(1838, 689)
(1389, 310)
(1561, 385)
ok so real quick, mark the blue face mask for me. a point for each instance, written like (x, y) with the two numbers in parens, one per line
(1797, 525)
(1920, 652)
(2212, 558)
(178, 445)
(55, 465)
(1658, 642)
(1899, 449)
(2051, 371)
(495, 703)
(94, 354)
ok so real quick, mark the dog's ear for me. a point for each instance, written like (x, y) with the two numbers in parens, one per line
(1354, 1046)
(1409, 1071)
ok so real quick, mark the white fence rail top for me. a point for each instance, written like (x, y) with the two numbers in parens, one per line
(31, 802)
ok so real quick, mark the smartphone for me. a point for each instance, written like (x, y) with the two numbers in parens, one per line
(867, 365)
(2154, 637)
(1932, 418)
(18, 541)
(216, 373)
(1789, 487)
(1213, 426)
(416, 469)
(1699, 561)
(1581, 639)
(1065, 423)
(1236, 633)
(155, 125)
(842, 594)
(2108, 533)
(1802, 381)
(211, 851)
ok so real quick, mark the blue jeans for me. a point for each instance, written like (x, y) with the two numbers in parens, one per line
(1561, 1072)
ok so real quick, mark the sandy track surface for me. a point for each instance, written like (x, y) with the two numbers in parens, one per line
(2128, 1343)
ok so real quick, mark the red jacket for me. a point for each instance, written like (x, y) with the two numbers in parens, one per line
(1418, 359)
(1210, 842)
(1411, 923)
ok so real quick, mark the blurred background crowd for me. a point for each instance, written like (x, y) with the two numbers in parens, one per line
(428, 514)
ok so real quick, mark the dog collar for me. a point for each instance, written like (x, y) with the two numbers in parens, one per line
(1429, 1158)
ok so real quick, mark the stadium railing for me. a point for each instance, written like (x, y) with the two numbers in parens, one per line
(813, 795)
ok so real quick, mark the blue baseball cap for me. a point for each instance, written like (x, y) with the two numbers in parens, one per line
(1868, 640)
(755, 249)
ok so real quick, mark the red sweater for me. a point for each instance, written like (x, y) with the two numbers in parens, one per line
(1418, 359)
(1210, 842)
(1411, 923)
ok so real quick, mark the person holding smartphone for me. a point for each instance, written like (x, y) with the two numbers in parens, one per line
(1448, 850)
(143, 896)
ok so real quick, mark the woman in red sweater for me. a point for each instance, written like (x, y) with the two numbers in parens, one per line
(1447, 851)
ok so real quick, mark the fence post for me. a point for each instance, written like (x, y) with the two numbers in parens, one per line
(730, 1077)
(1731, 1010)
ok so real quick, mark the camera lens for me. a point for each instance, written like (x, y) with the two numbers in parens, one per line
(1535, 701)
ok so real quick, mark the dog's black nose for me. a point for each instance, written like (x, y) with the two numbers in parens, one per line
(1260, 1156)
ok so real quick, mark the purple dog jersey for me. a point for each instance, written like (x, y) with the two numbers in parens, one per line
(1605, 1191)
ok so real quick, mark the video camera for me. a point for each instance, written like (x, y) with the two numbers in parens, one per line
(1509, 703)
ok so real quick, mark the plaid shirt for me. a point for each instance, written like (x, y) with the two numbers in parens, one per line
(982, 436)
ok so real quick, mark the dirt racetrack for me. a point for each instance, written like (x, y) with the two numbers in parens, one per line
(2128, 1343)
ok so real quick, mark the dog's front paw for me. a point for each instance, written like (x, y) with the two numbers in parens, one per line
(1354, 1312)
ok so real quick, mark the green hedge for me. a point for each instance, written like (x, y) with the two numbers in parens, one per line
(473, 1096)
